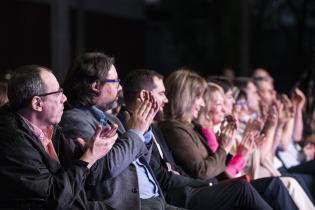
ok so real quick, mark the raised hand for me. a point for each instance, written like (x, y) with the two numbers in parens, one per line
(285, 109)
(143, 115)
(247, 145)
(288, 105)
(298, 99)
(254, 125)
(263, 110)
(252, 136)
(226, 137)
(260, 139)
(231, 120)
(272, 119)
(100, 143)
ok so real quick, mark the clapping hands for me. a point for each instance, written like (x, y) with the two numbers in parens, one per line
(142, 116)
(252, 137)
(100, 143)
(298, 99)
(227, 135)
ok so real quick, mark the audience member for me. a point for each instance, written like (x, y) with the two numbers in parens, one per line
(126, 180)
(38, 166)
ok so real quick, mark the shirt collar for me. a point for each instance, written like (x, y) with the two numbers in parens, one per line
(148, 135)
(39, 133)
(99, 115)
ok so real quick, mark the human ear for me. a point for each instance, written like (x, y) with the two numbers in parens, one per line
(144, 95)
(37, 103)
(95, 86)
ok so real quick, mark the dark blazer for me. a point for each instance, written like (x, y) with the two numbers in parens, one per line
(114, 178)
(178, 189)
(191, 152)
(28, 174)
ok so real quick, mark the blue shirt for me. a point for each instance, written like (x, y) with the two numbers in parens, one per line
(147, 186)
(99, 115)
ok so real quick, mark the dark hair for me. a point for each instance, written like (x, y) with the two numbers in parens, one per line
(225, 84)
(25, 83)
(87, 69)
(137, 80)
(239, 94)
(242, 83)
(258, 80)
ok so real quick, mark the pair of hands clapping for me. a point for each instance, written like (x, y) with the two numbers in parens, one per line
(227, 135)
(252, 137)
(100, 143)
(145, 109)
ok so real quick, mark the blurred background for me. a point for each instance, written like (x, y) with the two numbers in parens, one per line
(207, 36)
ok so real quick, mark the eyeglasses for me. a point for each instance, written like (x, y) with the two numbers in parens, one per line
(241, 103)
(117, 81)
(50, 93)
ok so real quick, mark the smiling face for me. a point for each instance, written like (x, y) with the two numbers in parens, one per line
(159, 93)
(198, 103)
(216, 110)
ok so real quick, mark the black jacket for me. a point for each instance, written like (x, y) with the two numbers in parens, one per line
(176, 188)
(29, 176)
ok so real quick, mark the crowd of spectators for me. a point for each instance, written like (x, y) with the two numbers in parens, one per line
(149, 143)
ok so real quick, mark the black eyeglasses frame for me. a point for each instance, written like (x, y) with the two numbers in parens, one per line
(51, 93)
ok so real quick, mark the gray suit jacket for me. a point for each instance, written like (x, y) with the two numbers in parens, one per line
(113, 179)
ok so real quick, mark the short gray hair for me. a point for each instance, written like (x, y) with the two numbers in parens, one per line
(25, 83)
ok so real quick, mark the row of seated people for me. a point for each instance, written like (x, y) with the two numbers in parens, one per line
(85, 158)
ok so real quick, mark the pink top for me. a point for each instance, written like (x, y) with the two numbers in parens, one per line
(236, 164)
(211, 139)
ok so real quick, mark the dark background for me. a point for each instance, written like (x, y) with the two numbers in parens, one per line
(205, 35)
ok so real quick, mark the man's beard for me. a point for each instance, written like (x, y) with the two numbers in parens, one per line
(111, 105)
(119, 101)
(159, 116)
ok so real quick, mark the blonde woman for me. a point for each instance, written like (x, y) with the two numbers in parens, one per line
(185, 90)
(214, 115)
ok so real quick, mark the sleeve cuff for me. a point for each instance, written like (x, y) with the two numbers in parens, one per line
(136, 132)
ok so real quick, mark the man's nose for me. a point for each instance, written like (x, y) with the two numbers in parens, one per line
(64, 98)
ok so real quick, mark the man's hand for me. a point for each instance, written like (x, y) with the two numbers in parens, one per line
(100, 143)
(143, 115)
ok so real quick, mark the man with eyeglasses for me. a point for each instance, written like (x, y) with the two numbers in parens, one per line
(39, 168)
(126, 181)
